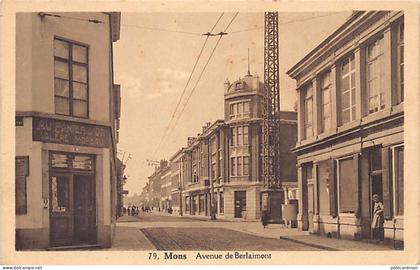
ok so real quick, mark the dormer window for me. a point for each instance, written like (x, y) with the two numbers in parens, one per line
(239, 85)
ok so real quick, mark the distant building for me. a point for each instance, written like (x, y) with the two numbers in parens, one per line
(350, 133)
(177, 174)
(67, 111)
(223, 165)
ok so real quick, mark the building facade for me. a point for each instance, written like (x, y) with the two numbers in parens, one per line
(67, 111)
(220, 170)
(350, 132)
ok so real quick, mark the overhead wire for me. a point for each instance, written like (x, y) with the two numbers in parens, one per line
(188, 82)
(204, 68)
(161, 29)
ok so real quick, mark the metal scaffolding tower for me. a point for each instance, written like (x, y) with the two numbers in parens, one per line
(271, 107)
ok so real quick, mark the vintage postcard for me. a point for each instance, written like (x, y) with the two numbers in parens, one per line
(224, 132)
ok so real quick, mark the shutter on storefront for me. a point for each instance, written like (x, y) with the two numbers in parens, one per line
(386, 181)
(332, 188)
(356, 184)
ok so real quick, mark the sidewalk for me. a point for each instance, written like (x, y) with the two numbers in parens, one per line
(130, 238)
(334, 243)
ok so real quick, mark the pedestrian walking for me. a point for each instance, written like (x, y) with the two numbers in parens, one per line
(264, 218)
(378, 219)
(137, 211)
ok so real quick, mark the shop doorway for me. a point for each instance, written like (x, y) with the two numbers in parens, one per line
(240, 203)
(72, 200)
(375, 188)
(375, 180)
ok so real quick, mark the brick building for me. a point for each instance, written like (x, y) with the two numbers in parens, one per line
(222, 166)
(350, 132)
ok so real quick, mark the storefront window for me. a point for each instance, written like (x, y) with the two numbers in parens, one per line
(222, 203)
(347, 185)
(59, 194)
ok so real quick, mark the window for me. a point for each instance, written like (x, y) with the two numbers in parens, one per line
(213, 148)
(308, 112)
(375, 76)
(348, 90)
(59, 194)
(347, 185)
(233, 166)
(70, 79)
(246, 166)
(187, 204)
(194, 167)
(326, 102)
(239, 110)
(201, 208)
(400, 62)
(239, 136)
(398, 174)
(239, 166)
(222, 203)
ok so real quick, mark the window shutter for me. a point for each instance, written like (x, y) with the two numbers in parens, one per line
(386, 190)
(356, 183)
(332, 188)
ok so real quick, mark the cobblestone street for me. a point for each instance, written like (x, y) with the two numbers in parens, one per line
(157, 231)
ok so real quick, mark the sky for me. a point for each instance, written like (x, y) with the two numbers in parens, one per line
(153, 61)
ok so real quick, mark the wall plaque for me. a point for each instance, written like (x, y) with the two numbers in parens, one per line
(67, 132)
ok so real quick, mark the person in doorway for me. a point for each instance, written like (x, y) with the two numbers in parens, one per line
(264, 218)
(378, 219)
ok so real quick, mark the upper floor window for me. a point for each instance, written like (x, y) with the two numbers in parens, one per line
(308, 107)
(194, 178)
(400, 62)
(348, 90)
(71, 78)
(239, 136)
(326, 102)
(239, 110)
(239, 166)
(375, 76)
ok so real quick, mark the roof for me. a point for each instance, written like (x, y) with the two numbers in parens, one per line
(292, 72)
(245, 84)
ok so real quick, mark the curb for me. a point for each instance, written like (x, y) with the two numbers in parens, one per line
(309, 244)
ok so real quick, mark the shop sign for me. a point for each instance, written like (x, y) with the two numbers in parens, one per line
(67, 132)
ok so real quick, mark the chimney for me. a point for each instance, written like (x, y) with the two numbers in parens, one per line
(227, 85)
(163, 164)
(190, 140)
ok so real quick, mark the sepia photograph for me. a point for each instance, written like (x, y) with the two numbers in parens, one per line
(211, 134)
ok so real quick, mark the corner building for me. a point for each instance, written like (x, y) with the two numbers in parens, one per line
(67, 120)
(224, 162)
(351, 128)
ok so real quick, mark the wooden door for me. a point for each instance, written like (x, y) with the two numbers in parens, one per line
(84, 209)
(61, 210)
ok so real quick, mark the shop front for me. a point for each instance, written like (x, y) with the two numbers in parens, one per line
(72, 198)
